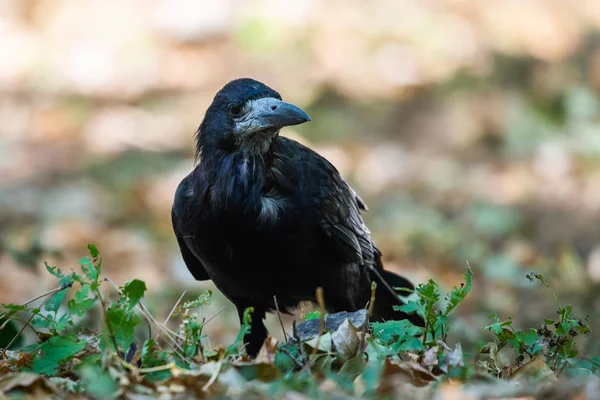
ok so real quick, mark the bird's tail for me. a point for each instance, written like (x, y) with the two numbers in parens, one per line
(386, 297)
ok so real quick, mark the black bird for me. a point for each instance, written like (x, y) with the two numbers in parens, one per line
(263, 216)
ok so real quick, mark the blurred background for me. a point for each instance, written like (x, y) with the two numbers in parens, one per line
(470, 128)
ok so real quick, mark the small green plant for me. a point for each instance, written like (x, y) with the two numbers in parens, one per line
(553, 341)
(102, 340)
(404, 336)
(234, 348)
(69, 340)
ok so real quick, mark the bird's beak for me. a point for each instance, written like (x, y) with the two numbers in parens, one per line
(270, 114)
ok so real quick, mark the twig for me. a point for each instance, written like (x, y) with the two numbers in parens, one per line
(444, 345)
(321, 301)
(212, 316)
(368, 318)
(425, 330)
(372, 299)
(168, 332)
(279, 316)
(142, 308)
(22, 329)
(213, 378)
(170, 366)
(48, 293)
(178, 349)
(171, 313)
(296, 338)
(285, 351)
(133, 368)
(107, 322)
(204, 322)
(21, 321)
(126, 364)
(596, 363)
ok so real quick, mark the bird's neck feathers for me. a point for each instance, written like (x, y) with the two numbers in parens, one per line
(255, 146)
(236, 177)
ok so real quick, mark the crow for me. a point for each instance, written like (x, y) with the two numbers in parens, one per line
(263, 216)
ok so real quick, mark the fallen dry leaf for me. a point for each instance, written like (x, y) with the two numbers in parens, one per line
(415, 372)
(453, 359)
(26, 381)
(323, 342)
(266, 355)
(430, 358)
(535, 369)
(346, 340)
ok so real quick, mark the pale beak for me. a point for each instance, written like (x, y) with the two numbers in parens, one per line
(270, 114)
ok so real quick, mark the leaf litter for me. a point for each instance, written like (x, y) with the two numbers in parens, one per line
(341, 355)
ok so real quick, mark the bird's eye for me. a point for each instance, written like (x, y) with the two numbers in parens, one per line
(236, 110)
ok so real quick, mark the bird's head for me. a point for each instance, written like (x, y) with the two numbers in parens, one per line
(246, 115)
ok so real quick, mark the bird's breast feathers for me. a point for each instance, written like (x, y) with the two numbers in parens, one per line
(270, 208)
(246, 188)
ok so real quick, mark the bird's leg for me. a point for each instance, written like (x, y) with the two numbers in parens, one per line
(258, 332)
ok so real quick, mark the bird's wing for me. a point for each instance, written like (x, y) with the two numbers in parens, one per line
(336, 203)
(183, 196)
(341, 220)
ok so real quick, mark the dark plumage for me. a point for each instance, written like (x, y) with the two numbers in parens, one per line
(262, 215)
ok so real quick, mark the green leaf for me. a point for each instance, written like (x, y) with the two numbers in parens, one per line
(458, 294)
(93, 250)
(55, 352)
(438, 327)
(53, 304)
(393, 330)
(528, 336)
(499, 327)
(283, 356)
(569, 349)
(89, 269)
(410, 308)
(563, 328)
(496, 327)
(32, 348)
(122, 322)
(11, 309)
(45, 322)
(411, 344)
(371, 376)
(315, 314)
(134, 291)
(53, 270)
(429, 291)
(203, 299)
(515, 344)
(152, 356)
(244, 330)
(81, 303)
(429, 294)
(353, 368)
(63, 322)
(193, 335)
